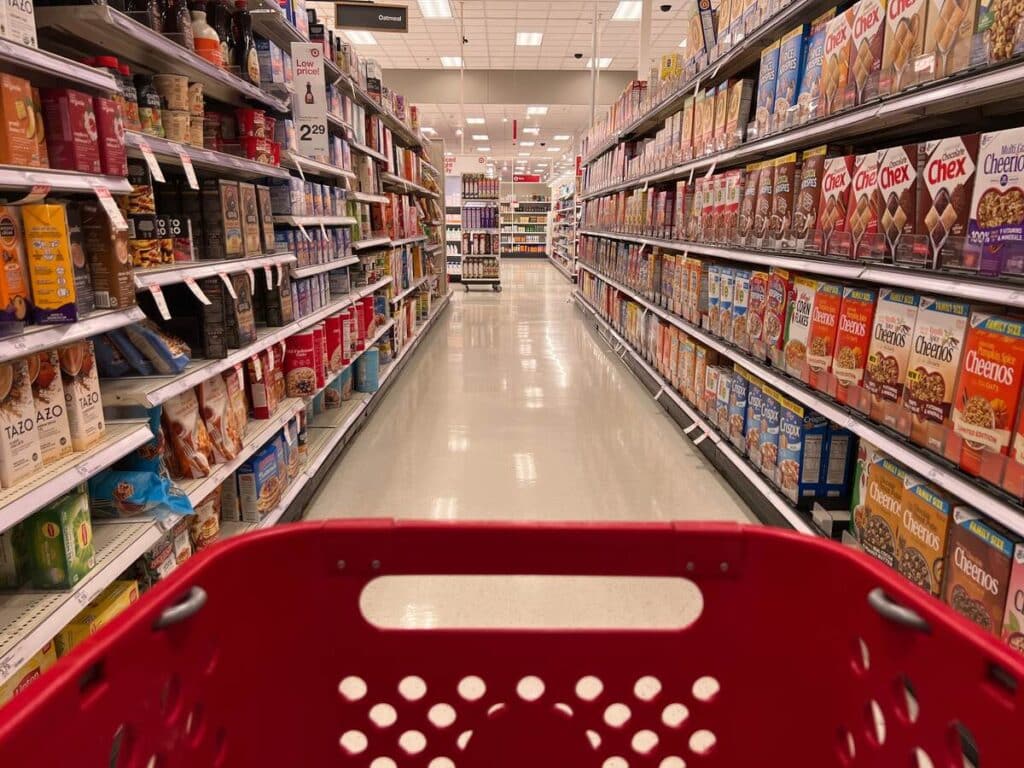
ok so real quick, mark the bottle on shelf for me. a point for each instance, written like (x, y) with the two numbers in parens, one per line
(131, 100)
(207, 41)
(248, 59)
(176, 24)
(145, 12)
(219, 17)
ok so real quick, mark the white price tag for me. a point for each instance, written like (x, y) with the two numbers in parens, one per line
(229, 285)
(241, 377)
(696, 88)
(257, 367)
(711, 170)
(305, 234)
(147, 154)
(36, 194)
(690, 182)
(190, 172)
(270, 356)
(107, 201)
(701, 438)
(323, 231)
(280, 274)
(197, 291)
(252, 281)
(161, 301)
(269, 275)
(298, 165)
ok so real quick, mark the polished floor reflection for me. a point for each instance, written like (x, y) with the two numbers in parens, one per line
(513, 408)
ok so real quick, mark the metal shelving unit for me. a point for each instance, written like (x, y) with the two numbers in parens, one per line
(480, 268)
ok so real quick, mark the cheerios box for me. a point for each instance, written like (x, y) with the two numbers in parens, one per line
(997, 205)
(802, 455)
(884, 506)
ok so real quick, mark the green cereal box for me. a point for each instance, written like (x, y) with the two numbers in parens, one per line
(58, 542)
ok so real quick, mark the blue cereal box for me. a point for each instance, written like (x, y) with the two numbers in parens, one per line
(787, 83)
(755, 413)
(726, 289)
(260, 483)
(737, 334)
(766, 88)
(713, 323)
(725, 383)
(737, 426)
(802, 455)
(809, 92)
(771, 415)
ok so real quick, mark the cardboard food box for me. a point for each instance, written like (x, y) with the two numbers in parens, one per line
(52, 427)
(821, 338)
(260, 484)
(15, 299)
(50, 267)
(853, 340)
(896, 203)
(20, 453)
(738, 334)
(30, 671)
(802, 453)
(737, 426)
(809, 94)
(727, 292)
(19, 125)
(59, 542)
(792, 47)
(884, 510)
(783, 190)
(757, 301)
(978, 565)
(82, 393)
(241, 322)
(111, 602)
(771, 415)
(866, 46)
(835, 67)
(904, 44)
(755, 413)
(806, 200)
(865, 242)
(867, 454)
(1013, 617)
(944, 202)
(997, 205)
(106, 248)
(948, 36)
(891, 339)
(834, 204)
(712, 322)
(767, 76)
(763, 206)
(741, 94)
(266, 218)
(748, 204)
(798, 326)
(250, 218)
(110, 137)
(780, 284)
(719, 140)
(923, 534)
(932, 369)
(72, 137)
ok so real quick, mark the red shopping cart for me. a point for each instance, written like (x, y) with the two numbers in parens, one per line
(257, 653)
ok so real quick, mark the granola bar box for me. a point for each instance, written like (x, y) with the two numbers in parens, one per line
(923, 533)
(891, 337)
(988, 388)
(995, 229)
(978, 564)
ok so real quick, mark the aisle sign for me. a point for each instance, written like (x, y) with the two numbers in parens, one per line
(309, 102)
(526, 177)
(362, 15)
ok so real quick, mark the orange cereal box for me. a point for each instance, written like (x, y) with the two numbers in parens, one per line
(821, 340)
(987, 392)
(853, 337)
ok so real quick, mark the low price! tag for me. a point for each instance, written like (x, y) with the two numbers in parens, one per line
(229, 285)
(161, 301)
(197, 291)
(190, 172)
(147, 154)
(107, 201)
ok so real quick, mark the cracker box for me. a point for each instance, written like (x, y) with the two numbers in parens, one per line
(866, 47)
(932, 370)
(988, 387)
(780, 284)
(904, 44)
(771, 413)
(809, 95)
(740, 301)
(787, 82)
(948, 36)
(802, 455)
(923, 532)
(891, 338)
(946, 183)
(755, 411)
(806, 201)
(821, 338)
(995, 229)
(798, 326)
(1013, 617)
(853, 339)
(977, 569)
(834, 204)
(783, 191)
(896, 201)
(31, 670)
(767, 76)
(59, 543)
(865, 243)
(835, 67)
(737, 427)
(884, 508)
(867, 454)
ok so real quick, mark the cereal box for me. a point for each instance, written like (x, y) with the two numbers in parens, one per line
(806, 200)
(776, 298)
(783, 191)
(884, 508)
(904, 43)
(737, 427)
(757, 301)
(948, 36)
(787, 82)
(721, 110)
(748, 205)
(767, 77)
(999, 30)
(853, 339)
(866, 51)
(741, 93)
(721, 414)
(771, 413)
(835, 67)
(725, 300)
(755, 411)
(260, 484)
(1013, 618)
(891, 339)
(946, 169)
(802, 454)
(686, 130)
(932, 370)
(995, 230)
(821, 338)
(840, 450)
(977, 569)
(708, 403)
(734, 183)
(862, 235)
(867, 454)
(834, 203)
(896, 198)
(713, 323)
(763, 206)
(798, 326)
(809, 94)
(988, 388)
(923, 533)
(741, 292)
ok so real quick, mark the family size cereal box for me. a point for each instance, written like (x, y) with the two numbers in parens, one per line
(787, 82)
(757, 301)
(721, 415)
(821, 338)
(948, 36)
(1013, 617)
(904, 43)
(977, 567)
(802, 454)
(866, 51)
(834, 204)
(809, 94)
(767, 77)
(923, 533)
(988, 389)
(884, 510)
(932, 369)
(891, 339)
(771, 415)
(755, 411)
(808, 196)
(853, 339)
(835, 68)
(775, 314)
(995, 229)
(866, 456)
(798, 326)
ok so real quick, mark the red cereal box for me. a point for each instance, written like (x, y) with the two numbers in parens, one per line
(834, 204)
(821, 340)
(780, 286)
(853, 338)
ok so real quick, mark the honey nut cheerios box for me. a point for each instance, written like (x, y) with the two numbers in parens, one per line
(979, 559)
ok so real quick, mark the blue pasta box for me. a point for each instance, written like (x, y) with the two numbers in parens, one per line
(736, 427)
(802, 455)
(771, 416)
(787, 83)
(766, 88)
(809, 90)
(755, 413)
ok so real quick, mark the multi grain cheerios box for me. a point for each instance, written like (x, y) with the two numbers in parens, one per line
(995, 229)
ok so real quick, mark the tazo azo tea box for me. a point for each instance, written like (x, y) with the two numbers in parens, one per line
(896, 199)
(923, 532)
(51, 271)
(932, 369)
(948, 36)
(821, 339)
(946, 184)
(904, 43)
(891, 337)
(853, 339)
(836, 180)
(51, 413)
(987, 391)
(835, 68)
(20, 454)
(996, 222)
(866, 51)
(978, 564)
(798, 326)
(884, 510)
(82, 394)
(864, 242)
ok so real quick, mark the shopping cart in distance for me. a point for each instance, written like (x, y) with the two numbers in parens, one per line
(256, 653)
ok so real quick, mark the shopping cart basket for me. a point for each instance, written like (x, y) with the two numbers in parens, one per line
(257, 653)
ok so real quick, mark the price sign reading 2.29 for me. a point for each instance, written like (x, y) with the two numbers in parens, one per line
(309, 102)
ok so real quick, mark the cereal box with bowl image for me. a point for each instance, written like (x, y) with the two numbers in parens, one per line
(866, 242)
(821, 338)
(771, 415)
(802, 236)
(713, 323)
(948, 37)
(768, 74)
(1013, 616)
(727, 294)
(896, 199)
(866, 51)
(999, 34)
(932, 369)
(780, 215)
(809, 92)
(834, 205)
(755, 411)
(748, 205)
(802, 454)
(740, 299)
(787, 83)
(260, 484)
(923, 534)
(891, 338)
(987, 391)
(763, 206)
(757, 300)
(884, 510)
(904, 43)
(835, 67)
(995, 229)
(737, 426)
(977, 569)
(780, 285)
(798, 326)
(866, 456)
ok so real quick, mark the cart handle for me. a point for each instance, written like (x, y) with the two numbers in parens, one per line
(896, 613)
(188, 606)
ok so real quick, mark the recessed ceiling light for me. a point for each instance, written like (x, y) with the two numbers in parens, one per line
(604, 63)
(562, 137)
(628, 10)
(359, 37)
(525, 143)
(435, 9)
(529, 38)
(554, 149)
(483, 149)
(480, 137)
(682, 43)
(451, 61)
(428, 130)
(524, 154)
(536, 110)
(532, 131)
(475, 120)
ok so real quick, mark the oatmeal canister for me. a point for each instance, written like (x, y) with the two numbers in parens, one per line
(988, 389)
(300, 362)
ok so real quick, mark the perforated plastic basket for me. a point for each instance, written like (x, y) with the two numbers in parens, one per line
(821, 658)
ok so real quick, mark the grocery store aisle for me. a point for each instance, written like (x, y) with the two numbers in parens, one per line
(514, 409)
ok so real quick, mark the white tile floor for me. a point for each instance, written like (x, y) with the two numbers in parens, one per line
(513, 409)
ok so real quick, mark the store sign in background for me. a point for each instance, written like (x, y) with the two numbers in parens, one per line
(526, 177)
(384, 18)
(309, 102)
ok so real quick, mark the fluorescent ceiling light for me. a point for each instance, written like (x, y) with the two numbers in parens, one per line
(475, 120)
(525, 143)
(562, 137)
(451, 61)
(480, 137)
(524, 154)
(536, 110)
(428, 130)
(682, 43)
(554, 149)
(533, 131)
(483, 149)
(603, 63)
(360, 37)
(628, 10)
(529, 38)
(435, 9)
